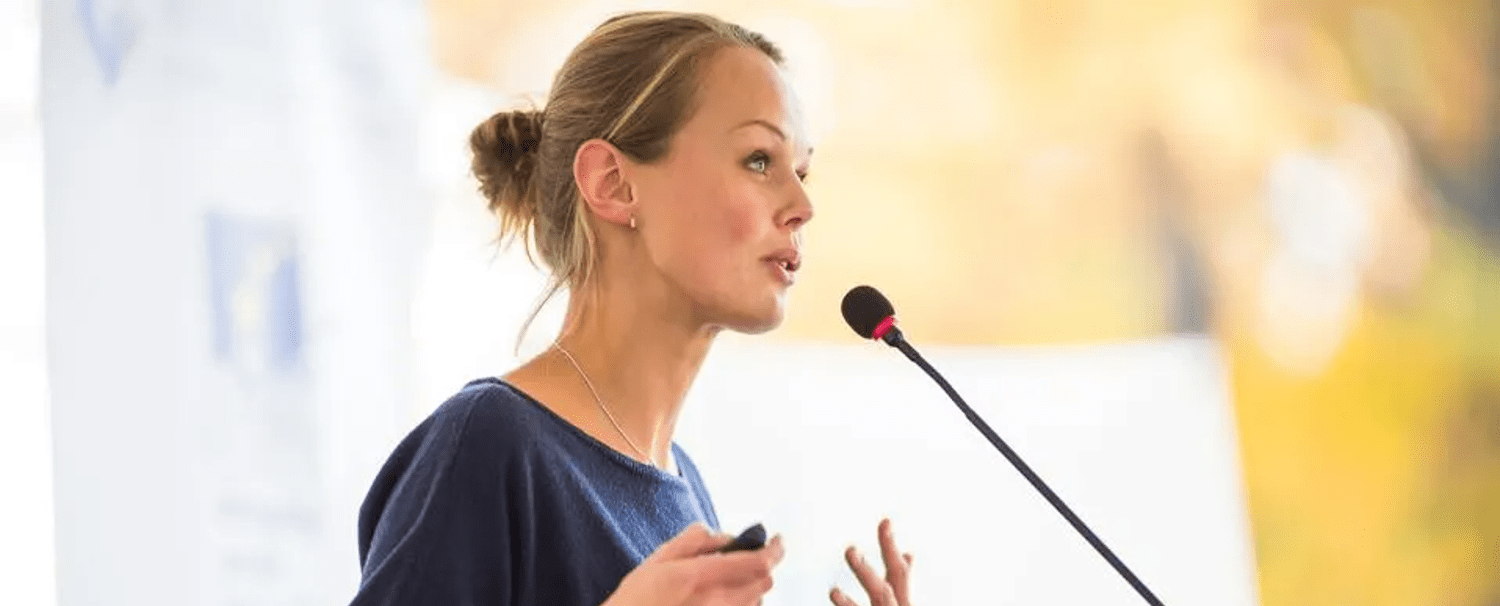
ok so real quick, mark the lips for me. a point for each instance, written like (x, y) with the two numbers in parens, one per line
(789, 259)
(785, 263)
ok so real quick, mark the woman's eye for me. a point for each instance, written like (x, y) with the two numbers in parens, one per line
(758, 162)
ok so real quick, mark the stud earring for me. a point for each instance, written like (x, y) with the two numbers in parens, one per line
(632, 221)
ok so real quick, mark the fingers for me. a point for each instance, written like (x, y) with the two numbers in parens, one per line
(693, 540)
(774, 550)
(837, 596)
(897, 565)
(751, 593)
(880, 591)
(688, 565)
(893, 589)
(740, 567)
(894, 565)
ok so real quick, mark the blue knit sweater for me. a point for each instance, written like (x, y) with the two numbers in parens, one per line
(495, 500)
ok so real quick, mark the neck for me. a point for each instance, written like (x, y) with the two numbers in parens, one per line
(641, 359)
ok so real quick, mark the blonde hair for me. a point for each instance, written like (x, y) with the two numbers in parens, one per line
(631, 82)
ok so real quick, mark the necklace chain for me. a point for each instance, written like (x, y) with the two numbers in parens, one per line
(602, 407)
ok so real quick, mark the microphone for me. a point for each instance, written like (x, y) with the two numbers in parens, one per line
(871, 315)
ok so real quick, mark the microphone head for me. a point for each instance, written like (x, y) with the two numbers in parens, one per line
(868, 312)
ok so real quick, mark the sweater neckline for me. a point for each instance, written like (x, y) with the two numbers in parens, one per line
(609, 451)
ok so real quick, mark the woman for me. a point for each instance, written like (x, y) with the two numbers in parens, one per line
(662, 186)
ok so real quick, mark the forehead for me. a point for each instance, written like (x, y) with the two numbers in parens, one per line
(739, 85)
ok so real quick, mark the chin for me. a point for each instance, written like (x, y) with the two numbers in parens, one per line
(757, 322)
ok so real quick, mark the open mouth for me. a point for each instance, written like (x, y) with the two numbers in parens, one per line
(784, 268)
(789, 260)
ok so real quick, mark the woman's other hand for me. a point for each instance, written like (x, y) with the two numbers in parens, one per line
(891, 590)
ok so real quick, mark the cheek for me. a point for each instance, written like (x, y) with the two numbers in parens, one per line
(741, 218)
(718, 225)
(727, 220)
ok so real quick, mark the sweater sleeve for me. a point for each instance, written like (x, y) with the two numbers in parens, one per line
(434, 528)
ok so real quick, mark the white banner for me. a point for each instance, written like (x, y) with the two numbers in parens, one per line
(233, 207)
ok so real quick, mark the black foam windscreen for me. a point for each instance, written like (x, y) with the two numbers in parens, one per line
(864, 309)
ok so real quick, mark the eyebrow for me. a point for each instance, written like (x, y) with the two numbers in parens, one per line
(769, 126)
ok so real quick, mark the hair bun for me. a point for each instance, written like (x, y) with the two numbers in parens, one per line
(505, 160)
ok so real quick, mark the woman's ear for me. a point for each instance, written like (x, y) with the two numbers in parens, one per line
(599, 171)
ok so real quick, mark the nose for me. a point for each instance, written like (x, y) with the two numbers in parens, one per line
(798, 210)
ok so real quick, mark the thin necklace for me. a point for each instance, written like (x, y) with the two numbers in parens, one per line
(602, 407)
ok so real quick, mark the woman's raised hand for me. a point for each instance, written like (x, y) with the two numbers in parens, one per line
(892, 589)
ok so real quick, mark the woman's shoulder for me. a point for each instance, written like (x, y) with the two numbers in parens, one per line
(483, 428)
(469, 443)
(486, 413)
(486, 423)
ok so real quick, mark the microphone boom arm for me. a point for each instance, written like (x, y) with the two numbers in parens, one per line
(894, 338)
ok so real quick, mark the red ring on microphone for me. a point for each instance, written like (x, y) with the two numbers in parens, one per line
(883, 327)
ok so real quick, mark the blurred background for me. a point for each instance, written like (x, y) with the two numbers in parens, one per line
(1223, 271)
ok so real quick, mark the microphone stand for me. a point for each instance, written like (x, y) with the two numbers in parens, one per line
(894, 338)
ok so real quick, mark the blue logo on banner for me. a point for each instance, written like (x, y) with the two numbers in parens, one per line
(110, 38)
(254, 291)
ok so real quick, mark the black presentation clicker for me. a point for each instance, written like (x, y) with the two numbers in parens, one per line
(751, 539)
